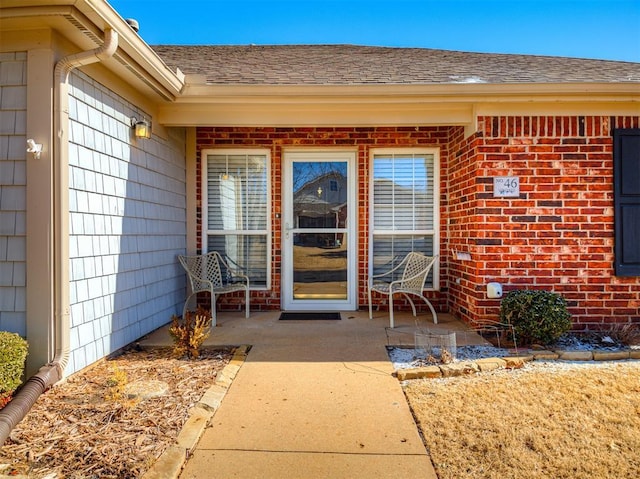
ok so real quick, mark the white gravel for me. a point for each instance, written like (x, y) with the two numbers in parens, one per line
(405, 358)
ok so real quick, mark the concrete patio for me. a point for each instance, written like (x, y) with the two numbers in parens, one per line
(314, 399)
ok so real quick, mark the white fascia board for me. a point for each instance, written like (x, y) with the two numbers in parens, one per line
(401, 105)
(315, 114)
(462, 93)
(135, 47)
(83, 23)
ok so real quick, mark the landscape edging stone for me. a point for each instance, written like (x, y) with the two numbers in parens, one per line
(514, 362)
(170, 463)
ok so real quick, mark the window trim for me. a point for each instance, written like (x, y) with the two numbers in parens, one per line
(205, 205)
(435, 151)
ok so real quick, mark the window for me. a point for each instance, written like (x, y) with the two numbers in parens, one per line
(237, 210)
(626, 175)
(405, 212)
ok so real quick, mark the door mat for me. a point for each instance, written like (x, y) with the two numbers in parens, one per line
(308, 316)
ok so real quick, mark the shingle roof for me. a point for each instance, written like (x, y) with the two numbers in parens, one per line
(361, 65)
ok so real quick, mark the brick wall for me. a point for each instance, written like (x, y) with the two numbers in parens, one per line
(461, 230)
(13, 204)
(558, 235)
(363, 139)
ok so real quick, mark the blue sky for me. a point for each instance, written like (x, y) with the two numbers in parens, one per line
(608, 29)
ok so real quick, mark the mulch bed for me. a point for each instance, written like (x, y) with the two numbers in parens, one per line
(88, 427)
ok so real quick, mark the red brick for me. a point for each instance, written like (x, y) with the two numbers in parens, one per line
(557, 235)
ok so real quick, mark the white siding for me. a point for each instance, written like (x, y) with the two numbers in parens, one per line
(127, 224)
(13, 106)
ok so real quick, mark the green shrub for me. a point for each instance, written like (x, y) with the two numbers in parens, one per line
(13, 352)
(537, 316)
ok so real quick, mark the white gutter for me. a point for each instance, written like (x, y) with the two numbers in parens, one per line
(199, 93)
(53, 372)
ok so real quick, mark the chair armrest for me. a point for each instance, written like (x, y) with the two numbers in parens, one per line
(236, 275)
(381, 275)
(234, 272)
(398, 266)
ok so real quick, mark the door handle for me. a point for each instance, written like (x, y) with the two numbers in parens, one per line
(287, 229)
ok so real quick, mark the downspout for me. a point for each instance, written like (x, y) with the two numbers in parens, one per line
(53, 372)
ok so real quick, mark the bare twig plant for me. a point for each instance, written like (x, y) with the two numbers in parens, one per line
(446, 356)
(190, 333)
(116, 383)
(627, 333)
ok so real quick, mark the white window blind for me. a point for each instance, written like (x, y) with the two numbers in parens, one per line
(404, 215)
(237, 211)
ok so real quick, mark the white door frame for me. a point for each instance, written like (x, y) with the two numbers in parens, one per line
(288, 231)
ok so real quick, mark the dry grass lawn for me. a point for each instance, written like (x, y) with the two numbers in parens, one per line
(545, 421)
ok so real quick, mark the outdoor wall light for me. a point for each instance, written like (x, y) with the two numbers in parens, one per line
(142, 128)
(34, 148)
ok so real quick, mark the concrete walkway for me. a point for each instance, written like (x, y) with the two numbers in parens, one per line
(314, 399)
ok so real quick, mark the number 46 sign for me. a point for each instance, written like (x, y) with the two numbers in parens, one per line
(506, 187)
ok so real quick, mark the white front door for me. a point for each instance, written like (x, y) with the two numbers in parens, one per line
(319, 236)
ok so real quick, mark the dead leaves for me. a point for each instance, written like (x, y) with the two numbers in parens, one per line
(85, 427)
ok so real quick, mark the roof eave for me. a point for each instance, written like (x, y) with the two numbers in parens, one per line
(83, 23)
(451, 92)
(140, 55)
(391, 105)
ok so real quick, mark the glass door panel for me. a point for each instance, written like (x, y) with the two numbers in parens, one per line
(317, 256)
(320, 266)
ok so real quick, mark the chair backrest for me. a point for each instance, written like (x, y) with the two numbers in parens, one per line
(416, 271)
(203, 267)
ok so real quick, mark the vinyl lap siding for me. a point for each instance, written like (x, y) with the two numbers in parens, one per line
(13, 106)
(127, 224)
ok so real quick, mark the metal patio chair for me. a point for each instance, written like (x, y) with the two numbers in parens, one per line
(205, 274)
(413, 270)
